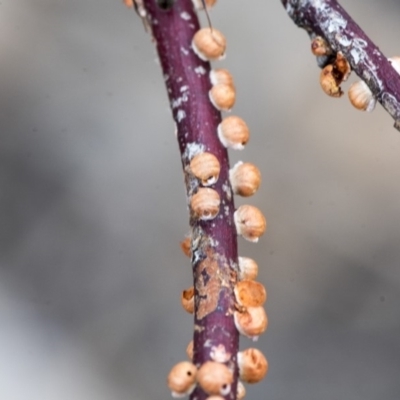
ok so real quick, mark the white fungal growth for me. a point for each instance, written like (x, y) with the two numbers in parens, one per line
(184, 88)
(184, 51)
(289, 8)
(376, 52)
(336, 22)
(178, 102)
(185, 16)
(213, 242)
(219, 354)
(227, 189)
(193, 149)
(357, 54)
(319, 4)
(390, 103)
(343, 40)
(180, 115)
(360, 43)
(331, 20)
(200, 70)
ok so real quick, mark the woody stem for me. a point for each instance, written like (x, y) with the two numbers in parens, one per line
(214, 242)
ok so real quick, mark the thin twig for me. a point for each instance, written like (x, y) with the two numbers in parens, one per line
(214, 242)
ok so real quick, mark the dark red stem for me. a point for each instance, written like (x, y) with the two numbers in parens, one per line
(328, 19)
(214, 242)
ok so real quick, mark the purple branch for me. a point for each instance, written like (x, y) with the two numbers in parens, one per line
(214, 242)
(328, 19)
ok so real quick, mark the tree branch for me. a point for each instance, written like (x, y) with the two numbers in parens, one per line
(214, 242)
(328, 19)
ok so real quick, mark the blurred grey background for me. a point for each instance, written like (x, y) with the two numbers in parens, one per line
(93, 208)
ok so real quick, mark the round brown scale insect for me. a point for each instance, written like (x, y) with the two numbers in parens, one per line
(245, 179)
(182, 379)
(319, 47)
(215, 378)
(249, 293)
(222, 96)
(221, 75)
(250, 222)
(209, 44)
(205, 204)
(187, 300)
(206, 168)
(361, 97)
(329, 83)
(253, 366)
(251, 322)
(233, 132)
